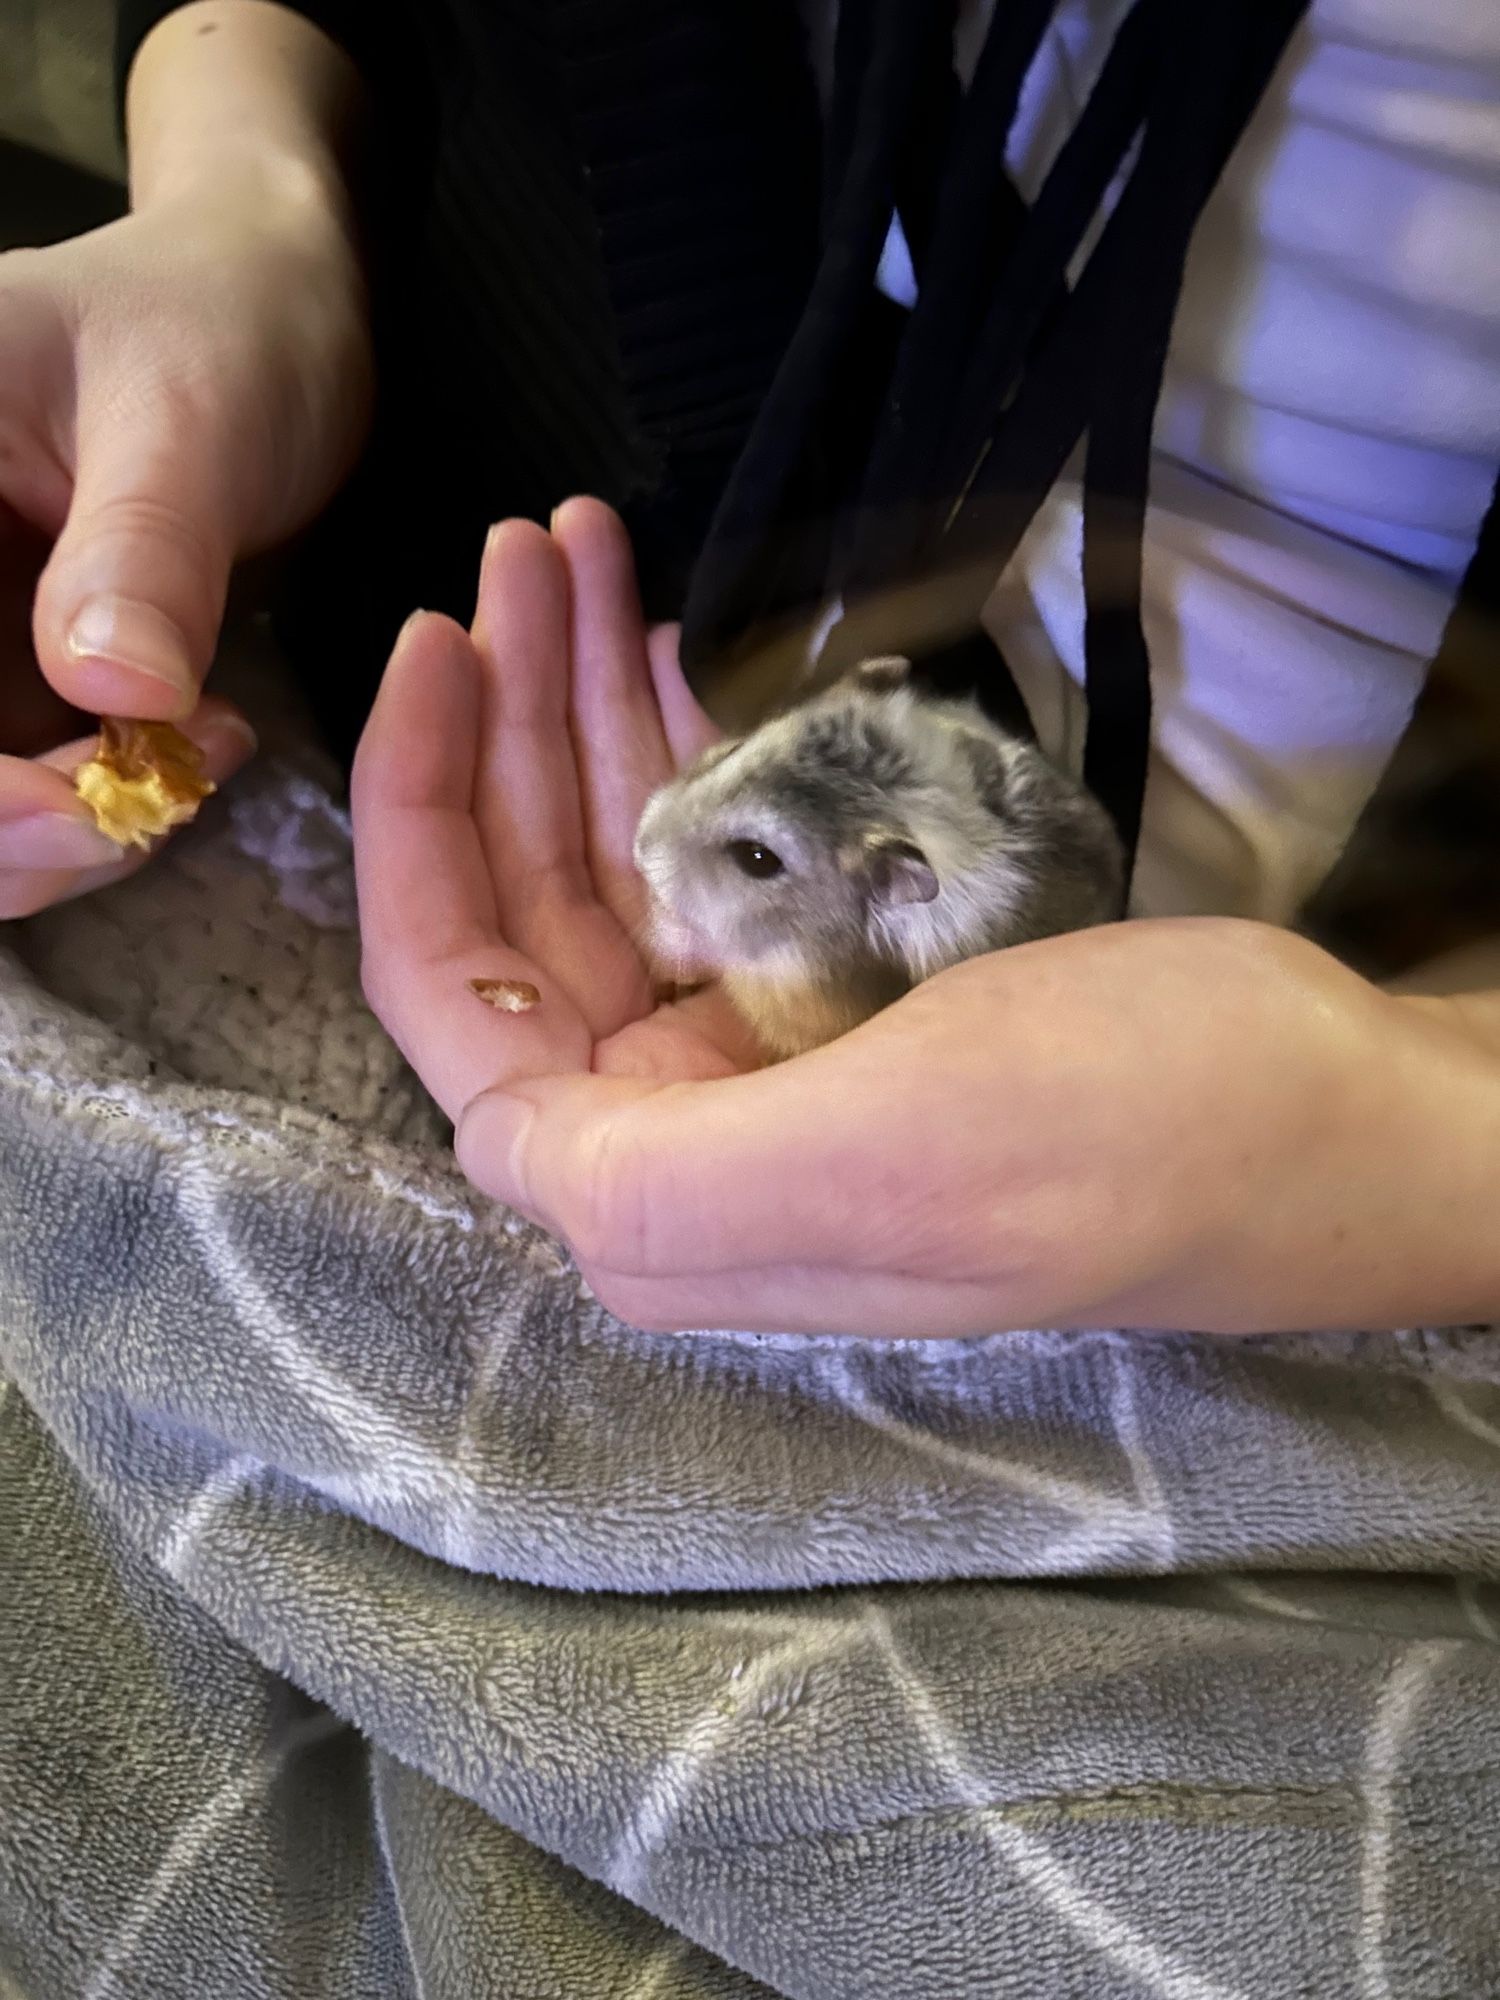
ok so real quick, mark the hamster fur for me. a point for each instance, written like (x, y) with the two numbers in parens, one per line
(823, 864)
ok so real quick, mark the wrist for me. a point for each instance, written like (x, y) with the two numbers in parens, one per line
(1370, 1196)
(259, 191)
(1427, 1218)
(277, 226)
(242, 105)
(1470, 1019)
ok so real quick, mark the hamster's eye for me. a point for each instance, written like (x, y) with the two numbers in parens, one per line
(753, 859)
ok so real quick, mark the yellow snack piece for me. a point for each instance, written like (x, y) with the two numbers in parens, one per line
(144, 778)
(511, 996)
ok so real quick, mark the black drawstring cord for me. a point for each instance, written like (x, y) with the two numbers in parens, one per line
(1211, 74)
(978, 215)
(767, 546)
(1032, 277)
(953, 382)
(855, 28)
(1103, 365)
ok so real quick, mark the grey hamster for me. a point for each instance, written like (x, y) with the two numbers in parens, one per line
(823, 864)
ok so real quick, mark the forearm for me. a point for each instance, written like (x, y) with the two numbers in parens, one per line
(1400, 1223)
(242, 93)
(1458, 998)
(1452, 1233)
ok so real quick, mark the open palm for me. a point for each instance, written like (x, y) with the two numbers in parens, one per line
(496, 796)
(1019, 1142)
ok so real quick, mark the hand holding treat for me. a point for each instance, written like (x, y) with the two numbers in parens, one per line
(51, 844)
(178, 389)
(55, 845)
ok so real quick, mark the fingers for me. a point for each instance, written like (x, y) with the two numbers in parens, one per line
(688, 729)
(527, 799)
(129, 606)
(527, 803)
(618, 738)
(50, 848)
(429, 920)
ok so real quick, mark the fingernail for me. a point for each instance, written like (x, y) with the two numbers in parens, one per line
(55, 840)
(486, 1141)
(233, 732)
(552, 517)
(121, 632)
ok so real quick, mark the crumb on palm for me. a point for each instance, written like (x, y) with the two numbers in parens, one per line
(511, 996)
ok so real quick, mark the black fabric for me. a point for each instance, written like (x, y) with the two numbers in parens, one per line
(617, 252)
(708, 237)
(590, 249)
(1187, 82)
(919, 170)
(1035, 369)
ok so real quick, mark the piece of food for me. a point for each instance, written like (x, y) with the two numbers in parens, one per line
(144, 778)
(511, 996)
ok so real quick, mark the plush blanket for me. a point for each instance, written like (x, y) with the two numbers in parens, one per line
(381, 1618)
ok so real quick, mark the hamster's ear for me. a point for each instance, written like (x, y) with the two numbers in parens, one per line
(897, 871)
(885, 675)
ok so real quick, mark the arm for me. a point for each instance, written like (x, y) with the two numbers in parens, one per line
(1455, 1003)
(241, 91)
(1455, 1000)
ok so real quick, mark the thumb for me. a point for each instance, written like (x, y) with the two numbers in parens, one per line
(650, 1180)
(546, 1147)
(128, 608)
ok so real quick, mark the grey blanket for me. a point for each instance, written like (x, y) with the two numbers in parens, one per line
(381, 1618)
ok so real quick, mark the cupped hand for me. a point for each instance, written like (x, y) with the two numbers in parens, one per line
(177, 389)
(496, 794)
(1181, 1123)
(1195, 1123)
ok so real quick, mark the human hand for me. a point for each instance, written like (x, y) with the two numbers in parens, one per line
(1194, 1123)
(179, 388)
(496, 794)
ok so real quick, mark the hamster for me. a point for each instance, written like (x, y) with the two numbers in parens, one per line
(822, 865)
